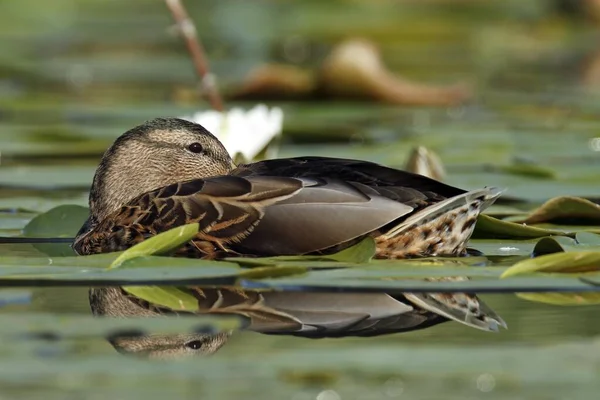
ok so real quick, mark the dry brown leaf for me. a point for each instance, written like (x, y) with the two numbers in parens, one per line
(354, 69)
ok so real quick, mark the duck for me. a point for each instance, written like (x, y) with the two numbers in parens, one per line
(168, 172)
(310, 315)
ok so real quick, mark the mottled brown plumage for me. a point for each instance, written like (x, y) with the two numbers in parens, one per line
(150, 181)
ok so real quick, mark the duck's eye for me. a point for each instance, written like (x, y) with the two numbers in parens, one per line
(196, 148)
(194, 344)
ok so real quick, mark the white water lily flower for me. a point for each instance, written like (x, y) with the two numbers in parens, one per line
(243, 132)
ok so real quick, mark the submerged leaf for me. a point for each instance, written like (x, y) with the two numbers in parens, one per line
(160, 244)
(562, 299)
(572, 262)
(171, 297)
(489, 227)
(565, 208)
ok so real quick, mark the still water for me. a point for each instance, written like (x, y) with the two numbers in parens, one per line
(53, 348)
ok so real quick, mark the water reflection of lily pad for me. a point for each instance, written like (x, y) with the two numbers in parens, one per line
(171, 297)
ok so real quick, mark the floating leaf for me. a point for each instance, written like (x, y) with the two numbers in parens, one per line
(92, 269)
(571, 262)
(160, 244)
(489, 227)
(529, 170)
(272, 272)
(397, 282)
(565, 208)
(554, 244)
(503, 247)
(588, 239)
(172, 297)
(562, 299)
(360, 253)
(61, 221)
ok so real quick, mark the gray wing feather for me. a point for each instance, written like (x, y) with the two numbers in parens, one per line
(324, 213)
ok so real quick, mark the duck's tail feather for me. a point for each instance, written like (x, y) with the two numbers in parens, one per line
(440, 229)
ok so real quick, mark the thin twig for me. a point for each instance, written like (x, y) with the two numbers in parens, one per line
(188, 30)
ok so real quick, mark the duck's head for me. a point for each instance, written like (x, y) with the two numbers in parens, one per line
(113, 302)
(157, 153)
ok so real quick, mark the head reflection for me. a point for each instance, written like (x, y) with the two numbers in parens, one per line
(304, 314)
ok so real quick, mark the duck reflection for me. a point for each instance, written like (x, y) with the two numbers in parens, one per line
(305, 314)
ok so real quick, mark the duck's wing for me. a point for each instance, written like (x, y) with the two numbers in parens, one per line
(317, 315)
(406, 186)
(262, 215)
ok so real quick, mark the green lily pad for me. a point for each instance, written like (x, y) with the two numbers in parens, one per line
(174, 298)
(554, 244)
(489, 227)
(61, 221)
(588, 239)
(162, 243)
(565, 208)
(576, 262)
(272, 272)
(557, 244)
(358, 280)
(529, 170)
(562, 299)
(360, 253)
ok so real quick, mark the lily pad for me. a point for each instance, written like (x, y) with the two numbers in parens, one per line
(556, 244)
(562, 299)
(489, 227)
(360, 253)
(529, 170)
(565, 209)
(61, 221)
(162, 243)
(272, 272)
(577, 262)
(174, 298)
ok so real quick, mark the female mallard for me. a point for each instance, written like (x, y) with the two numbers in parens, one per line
(169, 172)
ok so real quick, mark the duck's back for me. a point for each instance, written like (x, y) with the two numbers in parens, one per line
(427, 217)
